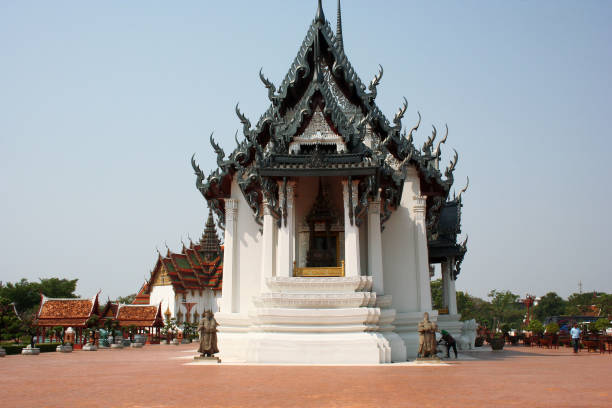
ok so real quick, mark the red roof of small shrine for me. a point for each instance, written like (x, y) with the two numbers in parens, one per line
(193, 269)
(66, 312)
(139, 315)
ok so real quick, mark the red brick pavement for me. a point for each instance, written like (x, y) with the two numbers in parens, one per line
(157, 376)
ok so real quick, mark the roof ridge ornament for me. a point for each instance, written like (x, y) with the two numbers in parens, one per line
(464, 189)
(339, 39)
(320, 17)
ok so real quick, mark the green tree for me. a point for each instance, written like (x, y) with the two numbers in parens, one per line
(549, 305)
(552, 328)
(10, 325)
(580, 303)
(58, 288)
(601, 324)
(126, 299)
(26, 295)
(436, 294)
(506, 308)
(535, 326)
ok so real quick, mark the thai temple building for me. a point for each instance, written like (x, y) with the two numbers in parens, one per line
(187, 283)
(333, 219)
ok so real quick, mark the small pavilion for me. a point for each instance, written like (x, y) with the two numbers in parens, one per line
(147, 319)
(65, 313)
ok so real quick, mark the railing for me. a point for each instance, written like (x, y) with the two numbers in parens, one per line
(326, 271)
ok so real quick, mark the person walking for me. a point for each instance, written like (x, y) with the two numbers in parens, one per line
(449, 342)
(575, 334)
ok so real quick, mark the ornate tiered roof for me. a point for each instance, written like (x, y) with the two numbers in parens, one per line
(140, 315)
(323, 120)
(66, 312)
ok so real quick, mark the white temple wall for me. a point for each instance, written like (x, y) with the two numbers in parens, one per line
(165, 295)
(207, 301)
(248, 255)
(399, 255)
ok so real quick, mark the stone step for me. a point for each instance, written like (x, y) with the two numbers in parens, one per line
(325, 300)
(319, 284)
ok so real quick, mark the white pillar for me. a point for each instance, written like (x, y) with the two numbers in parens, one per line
(422, 256)
(229, 294)
(452, 291)
(445, 279)
(352, 262)
(286, 233)
(375, 264)
(268, 260)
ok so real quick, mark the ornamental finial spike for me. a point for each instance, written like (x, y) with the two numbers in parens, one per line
(339, 39)
(320, 16)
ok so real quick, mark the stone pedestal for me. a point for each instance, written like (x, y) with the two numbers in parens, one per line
(64, 349)
(2, 352)
(30, 351)
(90, 347)
(428, 360)
(312, 320)
(211, 360)
(137, 345)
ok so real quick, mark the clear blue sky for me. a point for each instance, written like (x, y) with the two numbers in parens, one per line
(103, 103)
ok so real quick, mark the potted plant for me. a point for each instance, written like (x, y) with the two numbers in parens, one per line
(497, 341)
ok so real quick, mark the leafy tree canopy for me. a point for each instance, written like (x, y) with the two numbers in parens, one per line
(126, 299)
(549, 305)
(26, 295)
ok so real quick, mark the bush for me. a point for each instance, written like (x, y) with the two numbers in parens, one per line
(552, 328)
(535, 326)
(47, 347)
(16, 348)
(601, 324)
(13, 348)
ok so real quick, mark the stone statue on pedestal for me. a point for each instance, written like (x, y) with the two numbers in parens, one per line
(208, 335)
(427, 337)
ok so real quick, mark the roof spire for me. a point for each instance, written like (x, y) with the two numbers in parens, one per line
(209, 241)
(339, 40)
(320, 16)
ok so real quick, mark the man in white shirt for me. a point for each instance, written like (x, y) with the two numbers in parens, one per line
(575, 334)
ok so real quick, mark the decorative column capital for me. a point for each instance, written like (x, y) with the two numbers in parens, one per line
(231, 206)
(374, 207)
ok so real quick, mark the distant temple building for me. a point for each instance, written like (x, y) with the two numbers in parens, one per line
(332, 218)
(188, 283)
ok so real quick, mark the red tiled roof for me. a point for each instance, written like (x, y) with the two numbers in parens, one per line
(139, 315)
(66, 312)
(188, 270)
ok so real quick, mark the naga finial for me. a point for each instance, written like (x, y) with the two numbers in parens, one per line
(415, 128)
(465, 241)
(246, 124)
(453, 164)
(400, 113)
(198, 172)
(374, 83)
(464, 189)
(438, 152)
(218, 150)
(269, 85)
(430, 140)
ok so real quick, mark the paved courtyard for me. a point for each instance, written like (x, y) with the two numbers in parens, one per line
(164, 376)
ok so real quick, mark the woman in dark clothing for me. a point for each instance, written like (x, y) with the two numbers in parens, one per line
(449, 341)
